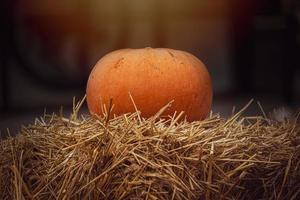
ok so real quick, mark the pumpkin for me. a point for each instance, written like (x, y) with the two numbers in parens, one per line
(148, 79)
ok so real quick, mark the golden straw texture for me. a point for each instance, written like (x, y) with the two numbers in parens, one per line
(129, 157)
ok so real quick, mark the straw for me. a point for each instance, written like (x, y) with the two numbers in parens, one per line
(131, 157)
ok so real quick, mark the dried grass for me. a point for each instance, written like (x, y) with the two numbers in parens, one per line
(129, 157)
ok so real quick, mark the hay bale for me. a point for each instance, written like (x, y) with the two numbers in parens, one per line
(129, 157)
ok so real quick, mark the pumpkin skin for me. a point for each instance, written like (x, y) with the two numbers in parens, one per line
(153, 77)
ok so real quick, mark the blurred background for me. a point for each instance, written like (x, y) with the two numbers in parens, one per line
(47, 48)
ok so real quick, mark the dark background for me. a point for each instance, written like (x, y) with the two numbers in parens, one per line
(47, 48)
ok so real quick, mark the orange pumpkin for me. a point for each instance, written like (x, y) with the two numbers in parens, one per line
(153, 78)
